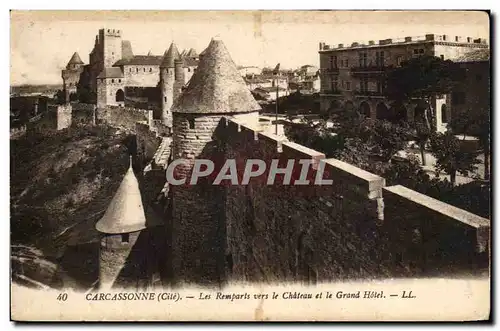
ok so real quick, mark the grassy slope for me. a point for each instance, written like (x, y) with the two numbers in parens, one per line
(60, 185)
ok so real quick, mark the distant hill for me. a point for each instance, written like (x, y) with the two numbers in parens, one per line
(28, 89)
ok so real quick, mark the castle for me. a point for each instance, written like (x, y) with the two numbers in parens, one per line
(354, 228)
(115, 76)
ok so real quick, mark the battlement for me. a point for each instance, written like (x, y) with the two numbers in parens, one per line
(355, 223)
(451, 40)
(110, 32)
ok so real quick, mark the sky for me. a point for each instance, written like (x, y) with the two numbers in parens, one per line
(42, 42)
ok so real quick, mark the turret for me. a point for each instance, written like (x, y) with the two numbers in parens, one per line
(120, 229)
(167, 80)
(71, 75)
(215, 90)
(75, 62)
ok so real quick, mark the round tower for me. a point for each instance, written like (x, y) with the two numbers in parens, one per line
(198, 219)
(71, 75)
(167, 80)
(121, 253)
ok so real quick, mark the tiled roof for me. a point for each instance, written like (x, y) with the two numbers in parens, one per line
(216, 86)
(125, 213)
(114, 72)
(145, 60)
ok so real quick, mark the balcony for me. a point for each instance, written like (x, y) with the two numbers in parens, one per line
(372, 94)
(369, 70)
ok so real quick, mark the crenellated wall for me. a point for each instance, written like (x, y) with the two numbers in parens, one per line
(354, 228)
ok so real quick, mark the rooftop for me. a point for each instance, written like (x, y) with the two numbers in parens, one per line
(125, 213)
(75, 59)
(170, 56)
(216, 86)
(151, 60)
(428, 38)
(114, 72)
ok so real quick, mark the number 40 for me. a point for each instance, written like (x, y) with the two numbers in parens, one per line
(62, 297)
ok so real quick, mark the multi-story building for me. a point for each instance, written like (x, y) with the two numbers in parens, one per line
(351, 76)
(115, 76)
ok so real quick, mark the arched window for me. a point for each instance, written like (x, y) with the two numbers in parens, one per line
(119, 80)
(444, 115)
(112, 80)
(120, 96)
(364, 109)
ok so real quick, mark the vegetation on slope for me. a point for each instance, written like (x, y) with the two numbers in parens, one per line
(61, 183)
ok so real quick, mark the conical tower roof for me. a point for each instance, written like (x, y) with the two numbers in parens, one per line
(216, 86)
(170, 56)
(192, 53)
(75, 59)
(125, 213)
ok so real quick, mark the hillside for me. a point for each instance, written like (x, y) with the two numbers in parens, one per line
(60, 186)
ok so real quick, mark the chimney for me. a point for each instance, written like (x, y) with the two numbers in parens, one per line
(341, 45)
(407, 39)
(429, 37)
(355, 44)
(385, 41)
(371, 42)
(458, 39)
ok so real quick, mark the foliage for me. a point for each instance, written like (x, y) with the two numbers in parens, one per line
(450, 157)
(422, 78)
(371, 145)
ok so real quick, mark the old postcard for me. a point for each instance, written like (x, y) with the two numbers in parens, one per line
(250, 165)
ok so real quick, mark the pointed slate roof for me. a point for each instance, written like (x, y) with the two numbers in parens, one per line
(192, 53)
(127, 50)
(125, 213)
(170, 56)
(216, 86)
(75, 59)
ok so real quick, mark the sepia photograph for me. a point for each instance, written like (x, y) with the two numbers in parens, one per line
(250, 165)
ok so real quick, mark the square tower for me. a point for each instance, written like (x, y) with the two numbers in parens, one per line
(111, 43)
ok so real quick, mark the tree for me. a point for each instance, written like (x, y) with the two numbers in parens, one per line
(422, 79)
(476, 123)
(450, 157)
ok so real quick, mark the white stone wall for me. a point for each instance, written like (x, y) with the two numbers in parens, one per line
(142, 75)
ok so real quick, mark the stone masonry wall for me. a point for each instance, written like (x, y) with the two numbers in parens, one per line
(64, 116)
(121, 117)
(346, 230)
(197, 229)
(147, 141)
